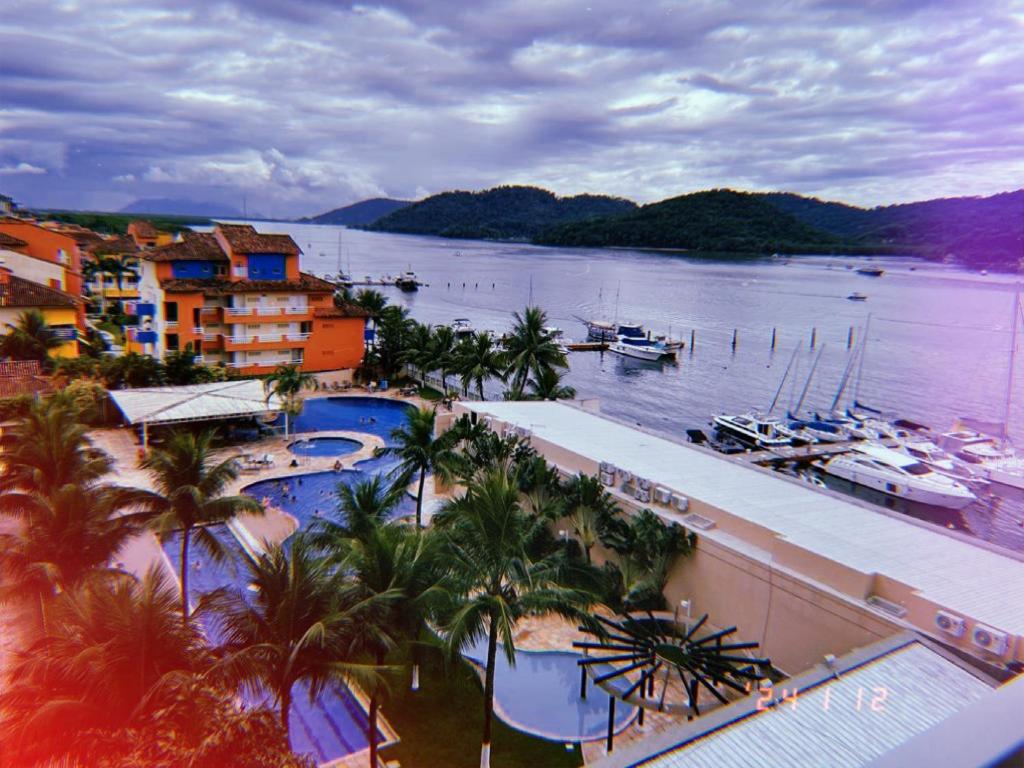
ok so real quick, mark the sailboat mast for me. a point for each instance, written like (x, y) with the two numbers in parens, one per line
(807, 384)
(1013, 361)
(860, 363)
(783, 382)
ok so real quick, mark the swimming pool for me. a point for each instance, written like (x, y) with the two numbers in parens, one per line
(375, 415)
(325, 446)
(540, 695)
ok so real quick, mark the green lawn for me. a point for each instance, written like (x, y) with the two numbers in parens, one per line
(441, 725)
(430, 394)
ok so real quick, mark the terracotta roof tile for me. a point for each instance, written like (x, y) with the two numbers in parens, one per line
(243, 238)
(195, 246)
(113, 245)
(18, 292)
(9, 241)
(142, 228)
(349, 310)
(217, 286)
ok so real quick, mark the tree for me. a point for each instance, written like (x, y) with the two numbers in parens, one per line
(372, 301)
(497, 582)
(477, 360)
(530, 349)
(189, 500)
(48, 449)
(418, 354)
(421, 452)
(111, 644)
(180, 367)
(131, 370)
(546, 384)
(287, 383)
(362, 507)
(392, 340)
(30, 338)
(442, 352)
(300, 624)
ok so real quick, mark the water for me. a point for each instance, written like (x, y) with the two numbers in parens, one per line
(374, 415)
(325, 446)
(540, 695)
(938, 339)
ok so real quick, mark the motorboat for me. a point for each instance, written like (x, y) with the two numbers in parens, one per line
(407, 282)
(871, 271)
(897, 474)
(811, 431)
(632, 341)
(751, 429)
(995, 460)
(462, 327)
(857, 296)
(925, 450)
(555, 334)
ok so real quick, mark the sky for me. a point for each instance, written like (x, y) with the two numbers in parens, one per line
(299, 106)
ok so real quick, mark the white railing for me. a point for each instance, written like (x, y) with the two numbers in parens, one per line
(240, 310)
(259, 363)
(268, 337)
(210, 310)
(258, 339)
(210, 336)
(298, 336)
(198, 331)
(296, 310)
(171, 323)
(269, 310)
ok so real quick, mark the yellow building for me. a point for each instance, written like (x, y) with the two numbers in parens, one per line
(59, 309)
(104, 285)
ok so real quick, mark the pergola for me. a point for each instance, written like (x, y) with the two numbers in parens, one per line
(152, 406)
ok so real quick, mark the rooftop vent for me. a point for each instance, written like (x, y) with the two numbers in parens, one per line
(699, 521)
(886, 606)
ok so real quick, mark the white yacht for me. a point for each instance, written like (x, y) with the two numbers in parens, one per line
(995, 462)
(898, 474)
(754, 430)
(462, 326)
(650, 352)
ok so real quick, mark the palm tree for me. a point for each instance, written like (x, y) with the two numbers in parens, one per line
(403, 569)
(287, 383)
(362, 506)
(48, 449)
(417, 353)
(302, 624)
(442, 351)
(586, 523)
(478, 360)
(30, 338)
(372, 301)
(529, 348)
(546, 384)
(421, 452)
(112, 643)
(190, 485)
(488, 537)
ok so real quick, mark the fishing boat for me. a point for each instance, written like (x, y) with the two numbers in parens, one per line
(857, 296)
(407, 282)
(754, 430)
(462, 327)
(897, 474)
(599, 330)
(871, 271)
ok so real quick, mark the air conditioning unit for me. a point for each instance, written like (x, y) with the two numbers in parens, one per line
(680, 502)
(607, 466)
(950, 623)
(608, 478)
(989, 639)
(626, 476)
(643, 484)
(662, 495)
(643, 495)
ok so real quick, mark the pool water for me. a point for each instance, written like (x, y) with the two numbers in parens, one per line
(325, 446)
(540, 695)
(375, 415)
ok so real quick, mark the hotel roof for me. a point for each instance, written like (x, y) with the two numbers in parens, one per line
(21, 293)
(872, 701)
(971, 580)
(243, 238)
(196, 402)
(194, 246)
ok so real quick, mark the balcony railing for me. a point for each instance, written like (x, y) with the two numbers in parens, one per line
(211, 337)
(296, 310)
(259, 363)
(198, 331)
(172, 323)
(210, 311)
(297, 336)
(239, 310)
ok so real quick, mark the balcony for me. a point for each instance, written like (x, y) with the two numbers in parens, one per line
(259, 363)
(263, 340)
(297, 336)
(245, 312)
(171, 325)
(198, 331)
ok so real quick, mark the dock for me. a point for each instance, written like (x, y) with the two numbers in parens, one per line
(804, 453)
(587, 346)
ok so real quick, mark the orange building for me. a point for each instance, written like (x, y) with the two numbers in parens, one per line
(239, 298)
(146, 235)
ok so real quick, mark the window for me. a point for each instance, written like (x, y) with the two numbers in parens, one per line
(220, 270)
(172, 342)
(171, 311)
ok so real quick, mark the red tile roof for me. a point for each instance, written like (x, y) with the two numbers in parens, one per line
(18, 292)
(243, 238)
(9, 241)
(349, 310)
(217, 286)
(195, 246)
(113, 245)
(143, 228)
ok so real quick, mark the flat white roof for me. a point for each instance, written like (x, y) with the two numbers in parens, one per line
(194, 402)
(956, 575)
(843, 722)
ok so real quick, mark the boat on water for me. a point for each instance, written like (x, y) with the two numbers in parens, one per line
(897, 474)
(599, 330)
(857, 296)
(407, 282)
(462, 327)
(750, 429)
(811, 431)
(925, 450)
(631, 341)
(871, 271)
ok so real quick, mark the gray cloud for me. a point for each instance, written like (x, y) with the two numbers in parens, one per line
(304, 105)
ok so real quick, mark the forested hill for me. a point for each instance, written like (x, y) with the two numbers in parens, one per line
(977, 231)
(718, 220)
(363, 212)
(502, 213)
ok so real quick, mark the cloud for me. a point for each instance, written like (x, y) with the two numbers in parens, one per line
(306, 105)
(20, 168)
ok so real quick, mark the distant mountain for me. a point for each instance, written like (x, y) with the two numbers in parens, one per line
(978, 231)
(717, 220)
(182, 207)
(502, 213)
(364, 212)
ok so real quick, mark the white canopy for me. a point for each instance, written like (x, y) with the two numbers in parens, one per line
(195, 402)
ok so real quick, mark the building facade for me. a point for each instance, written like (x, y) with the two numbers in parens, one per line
(238, 298)
(59, 309)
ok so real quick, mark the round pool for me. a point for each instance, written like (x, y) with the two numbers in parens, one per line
(325, 446)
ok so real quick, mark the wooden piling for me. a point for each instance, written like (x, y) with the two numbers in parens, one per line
(734, 338)
(849, 338)
(773, 337)
(814, 337)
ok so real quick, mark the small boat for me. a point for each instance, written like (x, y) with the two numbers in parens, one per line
(897, 474)
(871, 271)
(407, 282)
(810, 431)
(631, 341)
(599, 330)
(857, 296)
(462, 327)
(754, 430)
